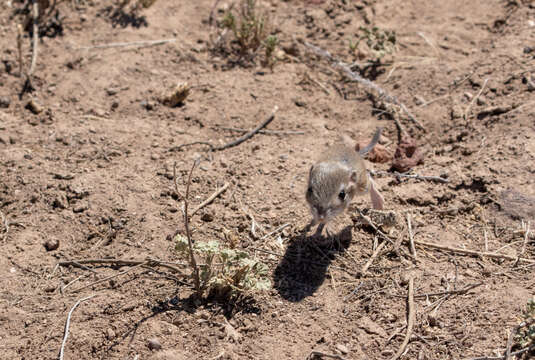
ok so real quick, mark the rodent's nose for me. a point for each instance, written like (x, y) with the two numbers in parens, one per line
(321, 212)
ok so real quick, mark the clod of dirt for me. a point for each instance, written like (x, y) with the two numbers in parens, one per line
(110, 334)
(177, 96)
(342, 348)
(5, 102)
(154, 344)
(34, 106)
(371, 327)
(231, 333)
(379, 154)
(148, 104)
(407, 155)
(517, 205)
(433, 321)
(51, 245)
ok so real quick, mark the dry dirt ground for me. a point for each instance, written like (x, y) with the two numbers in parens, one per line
(94, 171)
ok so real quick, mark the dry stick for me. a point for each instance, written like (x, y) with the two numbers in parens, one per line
(374, 255)
(411, 237)
(465, 115)
(266, 132)
(123, 44)
(250, 134)
(275, 231)
(20, 35)
(193, 262)
(6, 225)
(35, 37)
(512, 334)
(412, 176)
(67, 324)
(526, 236)
(369, 222)
(211, 198)
(108, 278)
(149, 262)
(367, 83)
(472, 252)
(410, 320)
(448, 292)
(233, 143)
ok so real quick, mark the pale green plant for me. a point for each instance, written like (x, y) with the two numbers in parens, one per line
(225, 272)
(380, 42)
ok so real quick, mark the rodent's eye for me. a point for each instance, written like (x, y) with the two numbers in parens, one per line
(309, 191)
(342, 195)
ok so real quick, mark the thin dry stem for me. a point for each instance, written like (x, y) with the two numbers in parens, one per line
(472, 252)
(35, 16)
(411, 237)
(193, 262)
(467, 110)
(211, 198)
(374, 255)
(410, 320)
(526, 236)
(125, 44)
(365, 82)
(67, 324)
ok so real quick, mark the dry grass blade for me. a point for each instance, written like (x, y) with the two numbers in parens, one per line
(35, 16)
(526, 228)
(374, 255)
(109, 277)
(467, 110)
(472, 252)
(211, 198)
(125, 44)
(410, 320)
(67, 324)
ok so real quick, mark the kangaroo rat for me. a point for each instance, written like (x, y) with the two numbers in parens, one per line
(336, 178)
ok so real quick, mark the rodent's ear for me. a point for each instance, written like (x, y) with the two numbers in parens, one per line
(360, 179)
(376, 197)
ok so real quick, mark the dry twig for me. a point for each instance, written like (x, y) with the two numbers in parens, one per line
(20, 35)
(265, 132)
(125, 44)
(412, 176)
(374, 255)
(211, 198)
(410, 320)
(526, 236)
(467, 110)
(35, 16)
(411, 236)
(448, 292)
(119, 262)
(235, 142)
(251, 133)
(365, 82)
(472, 252)
(193, 262)
(67, 324)
(108, 277)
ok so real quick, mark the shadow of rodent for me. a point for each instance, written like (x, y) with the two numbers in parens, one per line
(302, 269)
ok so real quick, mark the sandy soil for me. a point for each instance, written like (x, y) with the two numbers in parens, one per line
(93, 170)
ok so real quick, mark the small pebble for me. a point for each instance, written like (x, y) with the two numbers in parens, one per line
(51, 245)
(5, 102)
(154, 344)
(110, 334)
(34, 106)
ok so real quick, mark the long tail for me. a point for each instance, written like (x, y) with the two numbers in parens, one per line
(372, 143)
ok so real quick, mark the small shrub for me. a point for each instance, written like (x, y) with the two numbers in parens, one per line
(378, 42)
(248, 26)
(526, 336)
(225, 272)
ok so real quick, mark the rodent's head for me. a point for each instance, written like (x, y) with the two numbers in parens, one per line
(331, 187)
